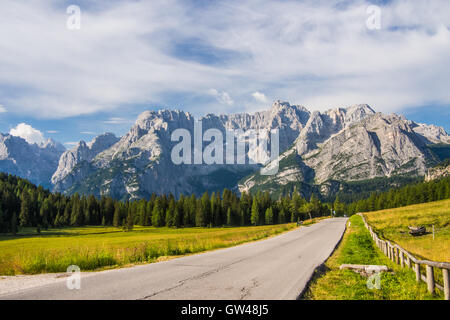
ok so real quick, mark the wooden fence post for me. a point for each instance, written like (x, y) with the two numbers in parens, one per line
(417, 270)
(430, 279)
(402, 262)
(446, 283)
(408, 261)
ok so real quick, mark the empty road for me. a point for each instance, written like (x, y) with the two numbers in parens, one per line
(275, 268)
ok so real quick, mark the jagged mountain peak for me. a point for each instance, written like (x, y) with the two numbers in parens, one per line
(345, 143)
(321, 126)
(148, 120)
(100, 141)
(34, 162)
(82, 152)
(283, 106)
(52, 144)
(431, 132)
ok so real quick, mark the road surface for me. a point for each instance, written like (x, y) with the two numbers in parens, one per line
(275, 268)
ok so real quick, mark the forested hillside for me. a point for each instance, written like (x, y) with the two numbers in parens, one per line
(22, 204)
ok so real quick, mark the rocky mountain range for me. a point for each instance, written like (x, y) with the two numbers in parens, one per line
(36, 163)
(317, 149)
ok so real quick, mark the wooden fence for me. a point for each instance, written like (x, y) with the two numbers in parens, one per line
(400, 256)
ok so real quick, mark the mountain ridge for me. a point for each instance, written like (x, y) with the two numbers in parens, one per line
(339, 144)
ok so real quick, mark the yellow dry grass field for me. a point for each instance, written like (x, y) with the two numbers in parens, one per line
(393, 224)
(93, 248)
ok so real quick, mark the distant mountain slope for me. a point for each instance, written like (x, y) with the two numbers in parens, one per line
(36, 163)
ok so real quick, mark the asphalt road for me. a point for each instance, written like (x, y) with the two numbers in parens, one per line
(275, 268)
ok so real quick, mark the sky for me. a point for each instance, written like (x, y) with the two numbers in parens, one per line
(68, 83)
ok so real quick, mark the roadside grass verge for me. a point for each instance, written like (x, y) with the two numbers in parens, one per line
(357, 247)
(92, 248)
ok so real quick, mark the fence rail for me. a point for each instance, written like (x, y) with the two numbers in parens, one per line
(400, 256)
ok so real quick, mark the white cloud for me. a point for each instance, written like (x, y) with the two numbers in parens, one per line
(28, 133)
(221, 96)
(115, 120)
(87, 132)
(260, 97)
(52, 131)
(71, 143)
(316, 53)
(2, 109)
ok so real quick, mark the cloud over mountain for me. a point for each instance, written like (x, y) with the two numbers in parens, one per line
(27, 132)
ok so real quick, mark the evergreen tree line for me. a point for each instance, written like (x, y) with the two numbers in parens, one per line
(23, 204)
(420, 192)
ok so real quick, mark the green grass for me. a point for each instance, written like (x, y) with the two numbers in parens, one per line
(392, 224)
(92, 248)
(357, 247)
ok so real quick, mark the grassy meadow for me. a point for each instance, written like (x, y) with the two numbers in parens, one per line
(357, 247)
(92, 248)
(392, 224)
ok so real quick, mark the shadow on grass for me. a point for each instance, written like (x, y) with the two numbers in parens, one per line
(318, 273)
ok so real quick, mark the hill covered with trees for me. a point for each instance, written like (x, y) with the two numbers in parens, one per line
(22, 204)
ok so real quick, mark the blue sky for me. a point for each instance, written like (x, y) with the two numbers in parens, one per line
(217, 56)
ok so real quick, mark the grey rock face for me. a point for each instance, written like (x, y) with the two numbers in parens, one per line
(83, 152)
(351, 145)
(140, 162)
(34, 162)
(318, 148)
(321, 126)
(376, 146)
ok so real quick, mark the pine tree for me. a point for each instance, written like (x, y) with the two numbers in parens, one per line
(229, 217)
(149, 210)
(338, 207)
(45, 213)
(255, 212)
(269, 216)
(245, 205)
(116, 218)
(130, 219)
(142, 212)
(14, 224)
(200, 220)
(109, 211)
(2, 220)
(25, 209)
(66, 216)
(170, 215)
(157, 213)
(282, 216)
